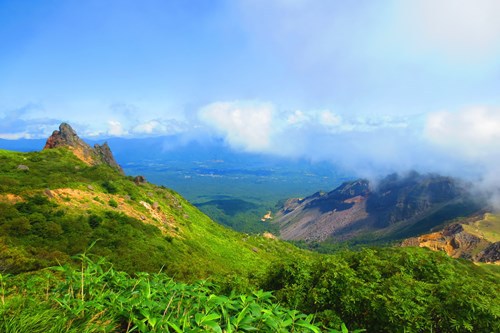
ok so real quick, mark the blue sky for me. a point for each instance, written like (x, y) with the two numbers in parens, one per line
(357, 82)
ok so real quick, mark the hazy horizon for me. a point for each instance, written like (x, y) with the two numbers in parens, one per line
(372, 87)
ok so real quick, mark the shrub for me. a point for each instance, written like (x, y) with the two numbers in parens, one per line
(110, 187)
(94, 220)
(417, 289)
(113, 203)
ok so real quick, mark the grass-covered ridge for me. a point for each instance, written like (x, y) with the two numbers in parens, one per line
(487, 228)
(58, 205)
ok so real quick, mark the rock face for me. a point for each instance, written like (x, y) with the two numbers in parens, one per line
(138, 180)
(104, 153)
(399, 207)
(323, 215)
(490, 255)
(458, 243)
(67, 137)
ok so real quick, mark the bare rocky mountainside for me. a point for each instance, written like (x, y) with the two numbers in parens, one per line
(396, 208)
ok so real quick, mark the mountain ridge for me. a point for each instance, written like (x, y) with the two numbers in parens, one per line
(398, 206)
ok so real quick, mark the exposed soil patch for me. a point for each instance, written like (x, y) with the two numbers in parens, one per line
(10, 198)
(85, 200)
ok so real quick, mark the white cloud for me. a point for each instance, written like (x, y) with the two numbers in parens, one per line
(102, 121)
(159, 127)
(329, 118)
(460, 28)
(246, 125)
(471, 136)
(260, 127)
(463, 143)
(322, 118)
(15, 136)
(473, 133)
(296, 117)
(361, 145)
(21, 124)
(115, 128)
(149, 127)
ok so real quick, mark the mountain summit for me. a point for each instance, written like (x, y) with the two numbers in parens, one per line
(67, 137)
(397, 208)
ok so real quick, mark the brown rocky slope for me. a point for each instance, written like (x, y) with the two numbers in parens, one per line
(467, 240)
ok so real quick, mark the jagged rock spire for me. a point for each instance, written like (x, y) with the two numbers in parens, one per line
(105, 154)
(67, 137)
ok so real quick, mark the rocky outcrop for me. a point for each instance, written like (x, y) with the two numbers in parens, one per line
(458, 243)
(453, 240)
(23, 167)
(491, 254)
(106, 156)
(139, 180)
(67, 137)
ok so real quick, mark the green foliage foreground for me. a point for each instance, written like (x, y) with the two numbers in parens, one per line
(383, 290)
(392, 290)
(97, 298)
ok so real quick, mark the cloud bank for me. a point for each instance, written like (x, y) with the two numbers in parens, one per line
(460, 142)
(457, 142)
(473, 133)
(471, 136)
(245, 125)
(458, 28)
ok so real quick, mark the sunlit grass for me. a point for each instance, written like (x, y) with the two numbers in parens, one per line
(97, 298)
(487, 228)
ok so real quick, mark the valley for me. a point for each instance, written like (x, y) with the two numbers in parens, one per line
(233, 188)
(77, 235)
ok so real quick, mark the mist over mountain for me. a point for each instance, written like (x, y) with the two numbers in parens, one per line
(396, 208)
(460, 144)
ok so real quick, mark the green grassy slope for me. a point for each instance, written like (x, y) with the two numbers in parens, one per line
(60, 205)
(487, 228)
